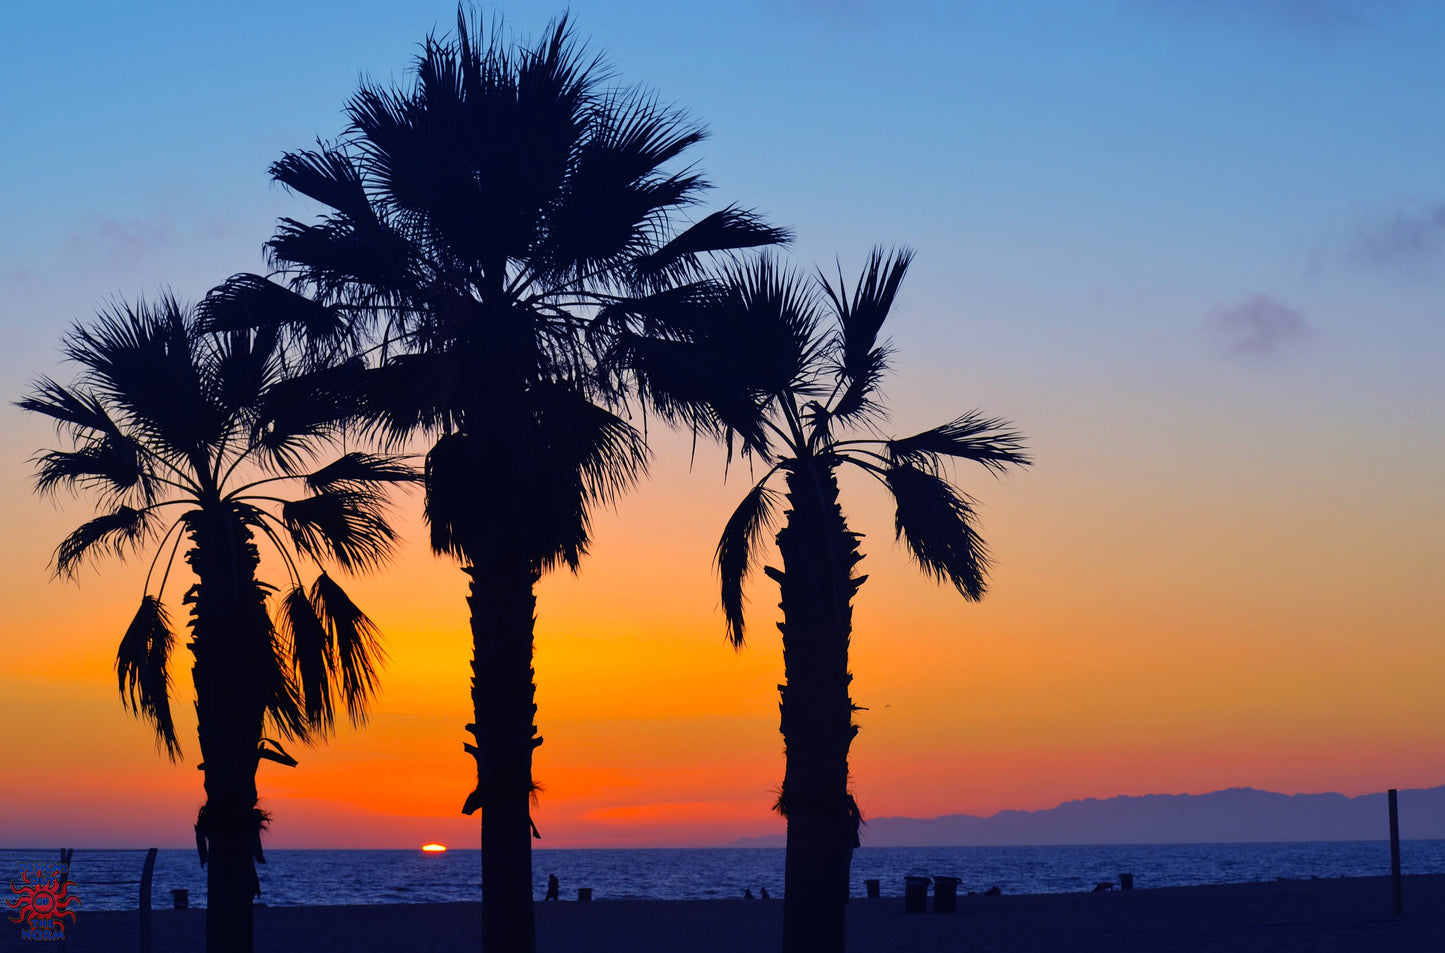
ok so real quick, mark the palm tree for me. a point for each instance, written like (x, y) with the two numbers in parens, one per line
(189, 442)
(789, 368)
(476, 225)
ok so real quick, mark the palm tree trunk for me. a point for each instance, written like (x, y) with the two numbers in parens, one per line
(230, 631)
(503, 606)
(817, 586)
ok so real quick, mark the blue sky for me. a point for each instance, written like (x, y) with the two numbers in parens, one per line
(1180, 156)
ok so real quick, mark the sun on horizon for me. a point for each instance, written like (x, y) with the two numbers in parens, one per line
(433, 848)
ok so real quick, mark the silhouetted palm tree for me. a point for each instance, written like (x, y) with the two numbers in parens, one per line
(477, 223)
(196, 443)
(787, 367)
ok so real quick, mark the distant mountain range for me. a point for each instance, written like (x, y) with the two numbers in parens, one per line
(1238, 815)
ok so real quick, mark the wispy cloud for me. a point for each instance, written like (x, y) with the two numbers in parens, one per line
(1257, 327)
(1412, 238)
(118, 243)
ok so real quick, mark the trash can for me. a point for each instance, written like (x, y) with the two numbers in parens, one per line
(915, 894)
(872, 887)
(181, 899)
(945, 894)
(584, 893)
(1126, 881)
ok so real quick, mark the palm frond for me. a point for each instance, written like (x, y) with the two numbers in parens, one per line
(408, 393)
(696, 385)
(667, 312)
(457, 508)
(358, 470)
(728, 229)
(357, 643)
(275, 687)
(294, 413)
(142, 673)
(616, 197)
(246, 302)
(244, 364)
(144, 361)
(122, 529)
(80, 410)
(767, 325)
(986, 440)
(936, 523)
(312, 653)
(327, 175)
(861, 360)
(606, 453)
(737, 552)
(340, 255)
(344, 523)
(112, 465)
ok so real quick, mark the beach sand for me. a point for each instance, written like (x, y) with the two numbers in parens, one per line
(1319, 916)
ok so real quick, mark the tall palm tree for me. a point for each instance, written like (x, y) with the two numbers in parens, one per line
(195, 444)
(476, 225)
(790, 368)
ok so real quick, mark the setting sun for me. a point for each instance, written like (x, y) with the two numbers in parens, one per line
(433, 848)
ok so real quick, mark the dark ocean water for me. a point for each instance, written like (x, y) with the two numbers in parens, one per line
(108, 879)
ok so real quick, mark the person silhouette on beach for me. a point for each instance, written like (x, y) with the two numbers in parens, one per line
(764, 894)
(552, 887)
(747, 893)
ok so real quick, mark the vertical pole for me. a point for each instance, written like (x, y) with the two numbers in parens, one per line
(145, 900)
(1395, 852)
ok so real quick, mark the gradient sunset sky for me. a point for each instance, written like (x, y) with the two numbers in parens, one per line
(1194, 250)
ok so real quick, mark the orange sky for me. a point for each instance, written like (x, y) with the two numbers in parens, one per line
(1158, 623)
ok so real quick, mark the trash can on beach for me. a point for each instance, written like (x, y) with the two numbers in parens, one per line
(584, 893)
(945, 894)
(1126, 881)
(872, 887)
(915, 894)
(181, 899)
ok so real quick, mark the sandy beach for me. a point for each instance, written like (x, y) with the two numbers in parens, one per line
(1319, 916)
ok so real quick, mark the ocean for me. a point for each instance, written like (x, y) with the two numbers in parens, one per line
(109, 879)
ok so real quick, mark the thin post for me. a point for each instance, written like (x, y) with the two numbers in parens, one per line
(145, 900)
(1395, 852)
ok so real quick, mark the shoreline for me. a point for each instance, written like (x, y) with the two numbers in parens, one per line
(1344, 914)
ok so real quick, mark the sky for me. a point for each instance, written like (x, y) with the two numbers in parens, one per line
(1194, 251)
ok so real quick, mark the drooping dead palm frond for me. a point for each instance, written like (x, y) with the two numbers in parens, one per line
(314, 655)
(357, 644)
(141, 667)
(737, 552)
(936, 522)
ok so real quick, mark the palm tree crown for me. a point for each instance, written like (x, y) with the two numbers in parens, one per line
(476, 224)
(182, 435)
(786, 367)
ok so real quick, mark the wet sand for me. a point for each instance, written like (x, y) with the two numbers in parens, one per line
(1316, 916)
